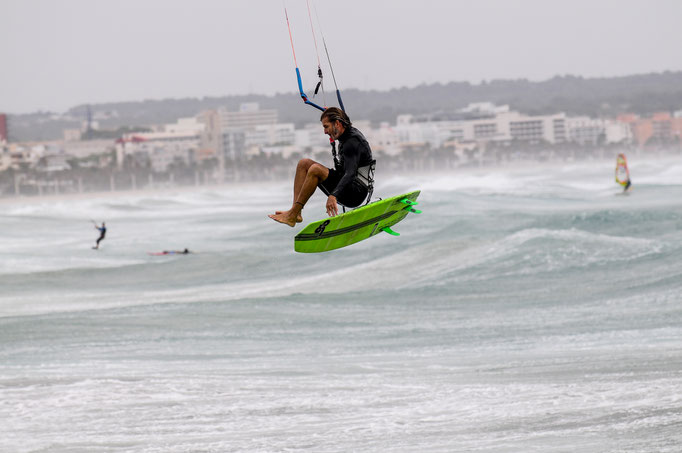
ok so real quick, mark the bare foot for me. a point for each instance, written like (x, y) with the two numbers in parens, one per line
(283, 217)
(299, 218)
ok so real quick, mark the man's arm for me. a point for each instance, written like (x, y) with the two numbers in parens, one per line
(332, 207)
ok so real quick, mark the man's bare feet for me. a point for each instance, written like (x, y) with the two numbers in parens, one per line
(284, 217)
(299, 218)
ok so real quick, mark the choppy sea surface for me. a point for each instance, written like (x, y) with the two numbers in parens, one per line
(530, 309)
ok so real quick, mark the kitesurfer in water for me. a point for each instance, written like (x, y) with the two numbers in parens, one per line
(348, 183)
(102, 233)
(176, 252)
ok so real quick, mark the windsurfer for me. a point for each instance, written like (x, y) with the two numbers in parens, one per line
(627, 185)
(622, 172)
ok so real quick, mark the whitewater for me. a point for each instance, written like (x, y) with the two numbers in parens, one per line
(533, 308)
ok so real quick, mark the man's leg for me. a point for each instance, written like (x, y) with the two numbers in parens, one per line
(308, 175)
(299, 178)
(301, 172)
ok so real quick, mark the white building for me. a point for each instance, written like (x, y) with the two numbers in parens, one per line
(410, 132)
(229, 135)
(172, 143)
(248, 116)
(584, 130)
(385, 139)
(162, 156)
(27, 154)
(231, 145)
(617, 132)
(87, 147)
(280, 134)
(535, 129)
(312, 136)
(502, 126)
(187, 126)
(162, 148)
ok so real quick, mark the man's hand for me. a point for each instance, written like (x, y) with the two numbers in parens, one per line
(332, 208)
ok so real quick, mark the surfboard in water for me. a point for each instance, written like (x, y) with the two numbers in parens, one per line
(356, 225)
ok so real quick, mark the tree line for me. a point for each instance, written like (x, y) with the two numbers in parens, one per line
(594, 97)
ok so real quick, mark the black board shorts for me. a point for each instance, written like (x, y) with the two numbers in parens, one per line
(352, 196)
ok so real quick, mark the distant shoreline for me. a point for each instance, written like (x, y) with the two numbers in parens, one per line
(37, 199)
(513, 165)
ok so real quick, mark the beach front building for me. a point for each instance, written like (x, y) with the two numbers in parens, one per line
(27, 155)
(228, 135)
(659, 128)
(277, 134)
(483, 123)
(170, 144)
(161, 149)
(501, 125)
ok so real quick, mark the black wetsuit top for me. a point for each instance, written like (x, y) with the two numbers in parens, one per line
(354, 152)
(102, 232)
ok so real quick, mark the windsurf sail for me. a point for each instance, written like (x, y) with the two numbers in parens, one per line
(622, 172)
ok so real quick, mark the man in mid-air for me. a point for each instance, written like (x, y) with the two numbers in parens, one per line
(348, 183)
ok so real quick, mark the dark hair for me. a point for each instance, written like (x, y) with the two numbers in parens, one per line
(336, 114)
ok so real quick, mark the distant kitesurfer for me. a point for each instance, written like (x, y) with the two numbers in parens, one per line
(102, 232)
(348, 183)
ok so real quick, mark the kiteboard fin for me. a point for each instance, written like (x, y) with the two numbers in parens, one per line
(408, 202)
(390, 231)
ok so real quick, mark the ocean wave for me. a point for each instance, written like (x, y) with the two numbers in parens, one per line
(530, 251)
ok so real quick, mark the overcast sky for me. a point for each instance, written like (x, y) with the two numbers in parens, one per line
(55, 54)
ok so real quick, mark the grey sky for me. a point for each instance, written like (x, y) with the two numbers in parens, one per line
(55, 54)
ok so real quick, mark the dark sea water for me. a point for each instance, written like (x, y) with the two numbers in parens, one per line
(532, 309)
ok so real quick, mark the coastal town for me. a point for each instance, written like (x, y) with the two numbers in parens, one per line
(251, 143)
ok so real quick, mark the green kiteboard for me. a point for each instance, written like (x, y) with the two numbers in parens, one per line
(356, 225)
